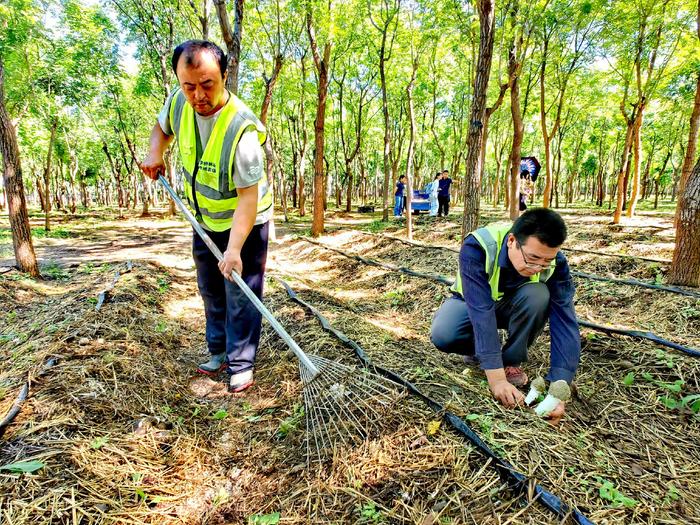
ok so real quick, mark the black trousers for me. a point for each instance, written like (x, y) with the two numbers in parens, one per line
(232, 321)
(443, 205)
(523, 314)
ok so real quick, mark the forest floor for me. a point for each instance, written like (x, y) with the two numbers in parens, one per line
(121, 430)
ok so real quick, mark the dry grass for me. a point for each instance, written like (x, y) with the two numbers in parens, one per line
(128, 435)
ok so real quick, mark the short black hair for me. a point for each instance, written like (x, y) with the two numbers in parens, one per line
(402, 177)
(445, 171)
(544, 224)
(191, 48)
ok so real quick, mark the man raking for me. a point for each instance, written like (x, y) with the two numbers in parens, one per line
(219, 141)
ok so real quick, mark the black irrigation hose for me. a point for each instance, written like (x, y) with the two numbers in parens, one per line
(629, 333)
(16, 407)
(621, 255)
(516, 481)
(635, 282)
(641, 335)
(631, 282)
(438, 278)
(22, 397)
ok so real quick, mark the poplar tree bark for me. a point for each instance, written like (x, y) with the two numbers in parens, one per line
(473, 168)
(411, 148)
(322, 63)
(388, 14)
(232, 38)
(685, 268)
(47, 175)
(691, 148)
(14, 189)
(514, 68)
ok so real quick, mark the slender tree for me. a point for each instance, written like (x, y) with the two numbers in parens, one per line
(14, 188)
(473, 168)
(322, 63)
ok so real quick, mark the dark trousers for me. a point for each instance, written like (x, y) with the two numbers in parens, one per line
(523, 314)
(232, 321)
(443, 205)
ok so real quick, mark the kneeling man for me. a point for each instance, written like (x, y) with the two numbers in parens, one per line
(512, 276)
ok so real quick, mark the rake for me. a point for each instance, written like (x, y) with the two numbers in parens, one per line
(343, 405)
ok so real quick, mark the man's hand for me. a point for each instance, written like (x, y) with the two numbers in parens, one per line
(231, 263)
(506, 394)
(153, 166)
(554, 417)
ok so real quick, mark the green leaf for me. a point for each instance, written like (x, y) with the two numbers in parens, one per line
(264, 519)
(220, 414)
(669, 402)
(23, 466)
(628, 380)
(98, 442)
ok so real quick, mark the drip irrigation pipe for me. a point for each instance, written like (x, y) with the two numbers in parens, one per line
(641, 335)
(516, 481)
(635, 282)
(577, 250)
(584, 275)
(23, 395)
(621, 255)
(649, 336)
(438, 278)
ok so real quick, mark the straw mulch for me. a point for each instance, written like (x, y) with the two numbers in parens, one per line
(126, 434)
(619, 431)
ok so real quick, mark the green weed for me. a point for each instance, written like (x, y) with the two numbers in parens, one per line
(608, 492)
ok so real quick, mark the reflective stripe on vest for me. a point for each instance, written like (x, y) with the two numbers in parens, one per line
(214, 192)
(490, 238)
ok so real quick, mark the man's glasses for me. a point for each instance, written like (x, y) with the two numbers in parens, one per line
(529, 263)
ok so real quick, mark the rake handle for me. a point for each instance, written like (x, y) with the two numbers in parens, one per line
(241, 283)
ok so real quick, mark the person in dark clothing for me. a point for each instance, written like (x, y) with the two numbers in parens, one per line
(399, 196)
(444, 193)
(525, 189)
(513, 277)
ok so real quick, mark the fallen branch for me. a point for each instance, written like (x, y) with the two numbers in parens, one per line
(518, 482)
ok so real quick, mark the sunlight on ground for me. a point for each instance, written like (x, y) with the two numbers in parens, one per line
(189, 307)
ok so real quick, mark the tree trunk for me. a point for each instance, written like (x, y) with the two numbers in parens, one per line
(621, 174)
(685, 268)
(321, 63)
(692, 134)
(232, 38)
(514, 200)
(14, 189)
(411, 147)
(475, 146)
(47, 175)
(637, 144)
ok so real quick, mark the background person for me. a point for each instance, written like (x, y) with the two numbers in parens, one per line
(444, 194)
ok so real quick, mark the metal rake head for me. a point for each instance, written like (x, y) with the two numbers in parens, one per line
(344, 405)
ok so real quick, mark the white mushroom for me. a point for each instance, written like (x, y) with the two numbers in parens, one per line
(558, 391)
(537, 387)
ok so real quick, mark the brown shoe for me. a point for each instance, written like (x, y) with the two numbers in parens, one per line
(516, 376)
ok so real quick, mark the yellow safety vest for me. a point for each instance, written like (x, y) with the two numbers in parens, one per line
(214, 198)
(490, 238)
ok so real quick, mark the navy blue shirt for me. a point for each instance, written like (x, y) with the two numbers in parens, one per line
(399, 189)
(565, 347)
(444, 187)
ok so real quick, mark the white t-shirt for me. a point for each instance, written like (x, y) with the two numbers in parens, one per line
(248, 162)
